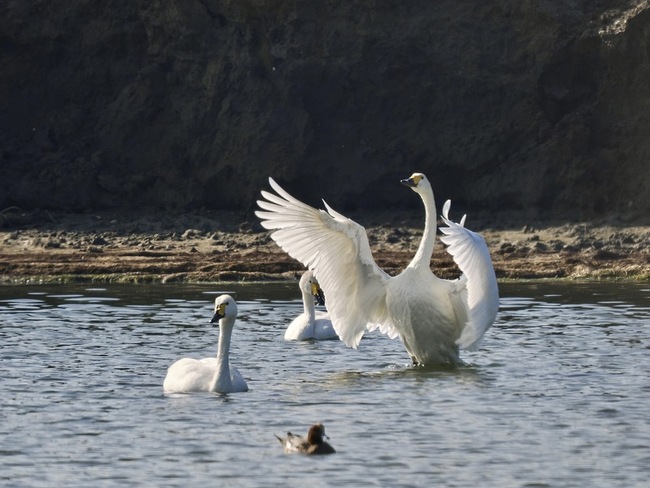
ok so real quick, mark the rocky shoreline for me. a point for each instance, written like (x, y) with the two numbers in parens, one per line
(45, 247)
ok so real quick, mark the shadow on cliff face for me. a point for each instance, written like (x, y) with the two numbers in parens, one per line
(537, 107)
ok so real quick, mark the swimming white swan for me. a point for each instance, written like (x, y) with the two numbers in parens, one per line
(310, 324)
(432, 316)
(210, 374)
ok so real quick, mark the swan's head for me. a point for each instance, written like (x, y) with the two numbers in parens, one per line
(309, 284)
(224, 307)
(316, 434)
(416, 182)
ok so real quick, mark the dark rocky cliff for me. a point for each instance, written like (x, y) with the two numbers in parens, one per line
(540, 106)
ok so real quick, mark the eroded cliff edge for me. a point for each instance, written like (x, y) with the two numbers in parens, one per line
(539, 107)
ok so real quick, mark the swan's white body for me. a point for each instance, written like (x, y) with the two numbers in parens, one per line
(310, 324)
(210, 374)
(432, 316)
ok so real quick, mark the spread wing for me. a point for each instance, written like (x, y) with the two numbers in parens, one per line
(337, 250)
(471, 255)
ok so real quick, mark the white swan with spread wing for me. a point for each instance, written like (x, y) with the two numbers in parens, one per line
(432, 316)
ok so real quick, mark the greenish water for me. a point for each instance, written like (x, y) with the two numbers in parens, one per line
(557, 396)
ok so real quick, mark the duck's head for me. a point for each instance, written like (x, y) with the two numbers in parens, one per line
(316, 434)
(416, 182)
(309, 284)
(224, 307)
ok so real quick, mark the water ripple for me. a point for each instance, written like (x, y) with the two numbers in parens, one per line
(557, 396)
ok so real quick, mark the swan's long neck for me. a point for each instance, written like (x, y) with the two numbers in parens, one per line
(422, 258)
(222, 381)
(310, 308)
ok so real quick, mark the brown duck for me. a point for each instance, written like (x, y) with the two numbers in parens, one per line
(313, 444)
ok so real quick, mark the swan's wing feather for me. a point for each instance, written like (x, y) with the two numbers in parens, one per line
(337, 250)
(188, 374)
(297, 328)
(472, 256)
(323, 328)
(238, 381)
(385, 328)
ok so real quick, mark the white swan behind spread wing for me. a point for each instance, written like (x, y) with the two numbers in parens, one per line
(210, 374)
(432, 316)
(310, 324)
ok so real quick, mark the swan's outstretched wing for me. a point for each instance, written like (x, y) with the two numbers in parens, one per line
(473, 258)
(337, 250)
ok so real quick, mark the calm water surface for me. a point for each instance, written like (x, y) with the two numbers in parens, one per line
(559, 395)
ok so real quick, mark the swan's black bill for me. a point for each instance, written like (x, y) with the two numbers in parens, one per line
(408, 182)
(319, 297)
(216, 318)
